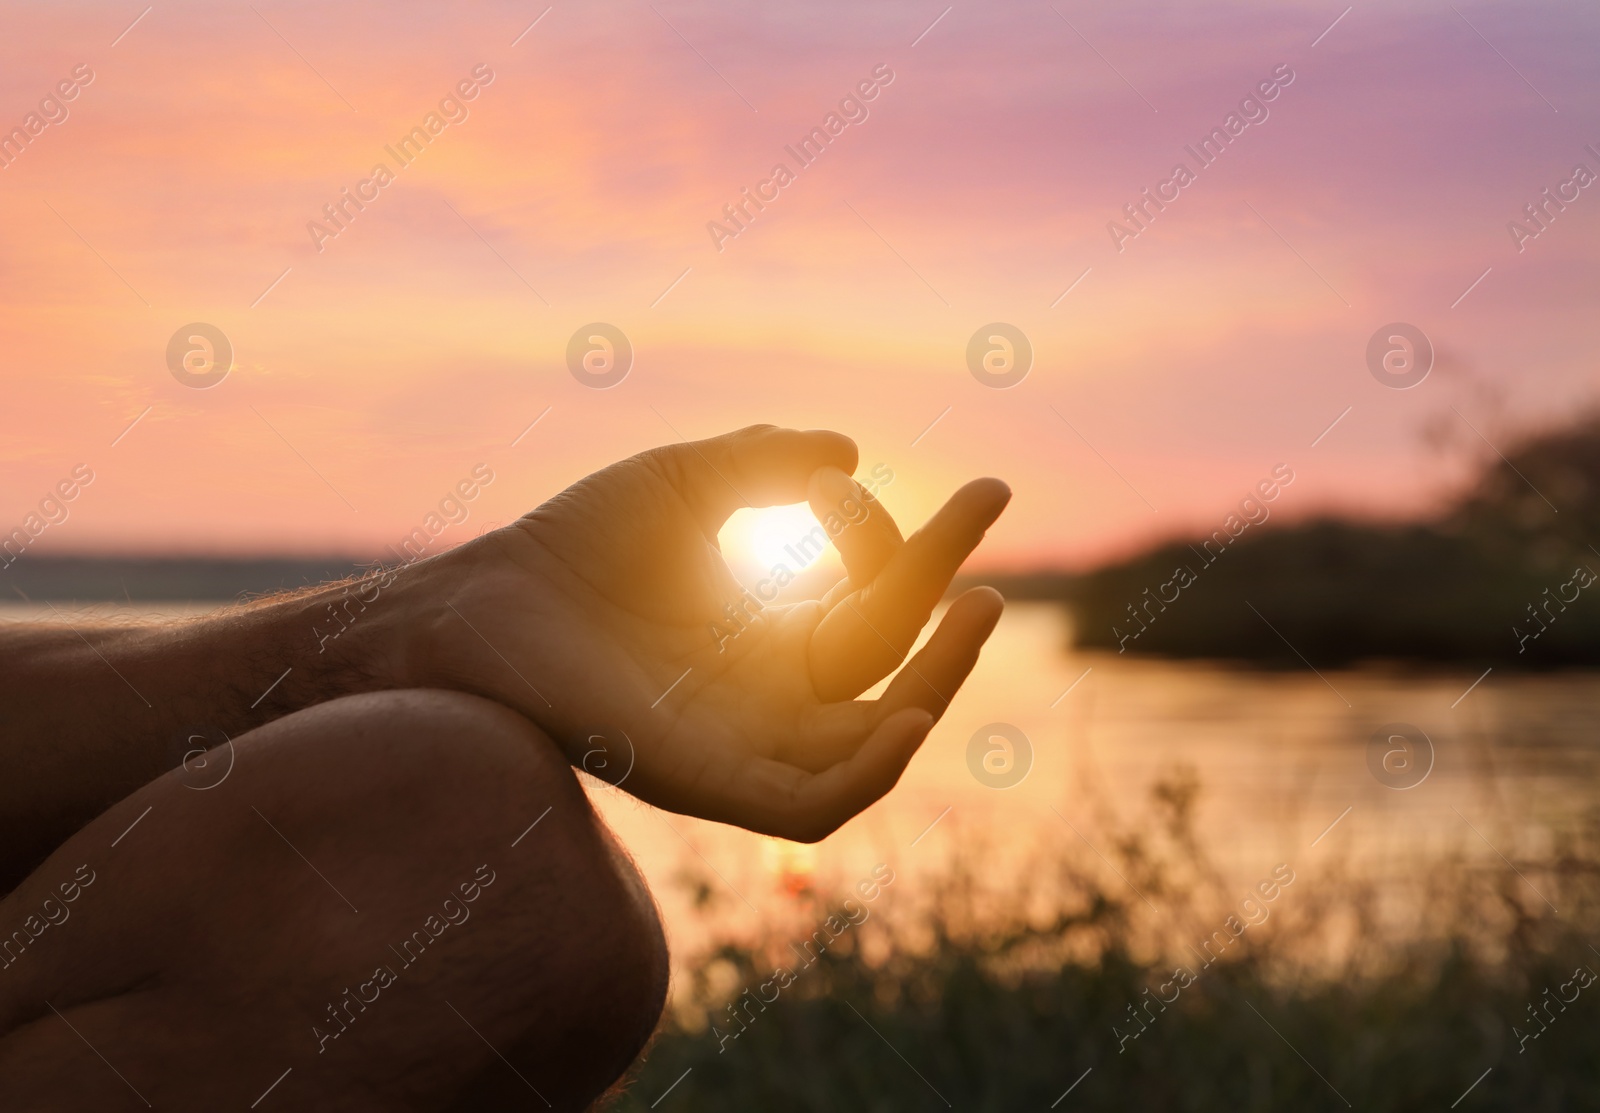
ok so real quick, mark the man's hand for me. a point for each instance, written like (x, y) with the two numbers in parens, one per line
(596, 616)
(593, 616)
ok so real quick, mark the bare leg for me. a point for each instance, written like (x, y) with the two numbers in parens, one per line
(345, 906)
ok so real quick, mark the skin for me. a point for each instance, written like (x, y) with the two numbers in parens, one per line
(582, 634)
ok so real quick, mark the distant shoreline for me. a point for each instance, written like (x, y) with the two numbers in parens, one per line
(167, 579)
(1504, 578)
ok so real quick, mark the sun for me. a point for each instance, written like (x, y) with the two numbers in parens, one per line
(757, 541)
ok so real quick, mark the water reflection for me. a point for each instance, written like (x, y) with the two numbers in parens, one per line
(1280, 759)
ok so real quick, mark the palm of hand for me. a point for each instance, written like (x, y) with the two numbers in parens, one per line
(603, 603)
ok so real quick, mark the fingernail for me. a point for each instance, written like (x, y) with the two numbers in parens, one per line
(832, 489)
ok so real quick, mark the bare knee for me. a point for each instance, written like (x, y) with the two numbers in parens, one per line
(437, 837)
(580, 963)
(569, 974)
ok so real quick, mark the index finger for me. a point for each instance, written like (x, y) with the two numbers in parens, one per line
(759, 465)
(857, 645)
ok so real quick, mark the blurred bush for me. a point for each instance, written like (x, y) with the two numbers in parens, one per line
(997, 989)
(1459, 587)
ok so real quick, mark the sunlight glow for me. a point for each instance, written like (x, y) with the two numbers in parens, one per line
(762, 539)
(792, 864)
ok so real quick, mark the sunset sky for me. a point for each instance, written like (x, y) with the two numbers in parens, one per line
(374, 371)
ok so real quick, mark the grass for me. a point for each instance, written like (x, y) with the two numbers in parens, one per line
(1000, 988)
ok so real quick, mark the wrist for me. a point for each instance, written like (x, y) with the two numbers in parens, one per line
(459, 622)
(308, 647)
(355, 636)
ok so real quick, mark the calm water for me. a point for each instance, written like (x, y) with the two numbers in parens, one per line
(1282, 760)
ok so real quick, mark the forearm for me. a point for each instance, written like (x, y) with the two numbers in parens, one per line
(89, 712)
